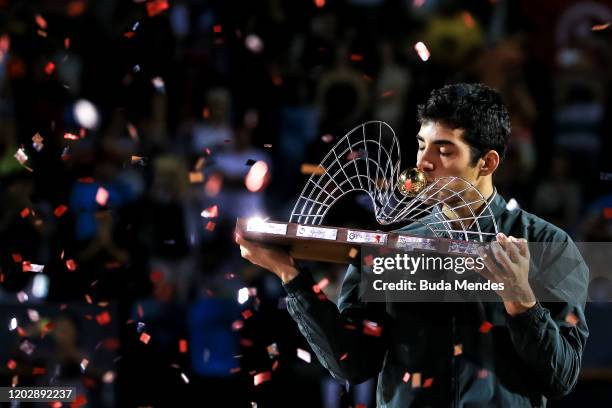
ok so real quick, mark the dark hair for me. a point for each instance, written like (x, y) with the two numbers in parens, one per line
(475, 108)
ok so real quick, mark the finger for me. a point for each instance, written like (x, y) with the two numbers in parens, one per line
(514, 252)
(492, 269)
(501, 256)
(523, 247)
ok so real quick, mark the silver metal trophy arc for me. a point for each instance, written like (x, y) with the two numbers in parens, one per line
(368, 159)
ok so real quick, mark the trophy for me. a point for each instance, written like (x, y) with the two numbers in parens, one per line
(367, 159)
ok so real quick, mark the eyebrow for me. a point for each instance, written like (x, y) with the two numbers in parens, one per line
(442, 142)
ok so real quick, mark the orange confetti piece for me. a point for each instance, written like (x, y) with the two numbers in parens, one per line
(183, 346)
(156, 7)
(103, 318)
(196, 177)
(313, 169)
(71, 265)
(416, 380)
(485, 327)
(458, 350)
(262, 377)
(600, 27)
(572, 319)
(144, 337)
(60, 210)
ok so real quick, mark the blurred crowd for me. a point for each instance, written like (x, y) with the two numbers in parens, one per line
(134, 133)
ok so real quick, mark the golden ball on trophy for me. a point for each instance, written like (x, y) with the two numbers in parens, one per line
(411, 182)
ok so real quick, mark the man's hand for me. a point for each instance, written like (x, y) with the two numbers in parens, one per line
(507, 262)
(273, 259)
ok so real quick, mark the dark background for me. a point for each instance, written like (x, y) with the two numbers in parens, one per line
(199, 92)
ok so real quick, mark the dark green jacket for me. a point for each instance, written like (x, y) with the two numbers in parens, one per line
(520, 362)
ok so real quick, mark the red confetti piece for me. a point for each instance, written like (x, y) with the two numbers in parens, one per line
(129, 34)
(246, 314)
(21, 332)
(71, 265)
(468, 19)
(371, 328)
(343, 357)
(86, 180)
(246, 342)
(210, 226)
(607, 212)
(49, 68)
(79, 402)
(102, 196)
(386, 94)
(42, 23)
(39, 371)
(144, 337)
(25, 212)
(237, 325)
(140, 311)
(319, 3)
(183, 346)
(572, 319)
(356, 57)
(156, 7)
(217, 28)
(274, 365)
(103, 318)
(12, 364)
(67, 42)
(350, 327)
(318, 286)
(406, 377)
(428, 383)
(485, 327)
(76, 8)
(60, 210)
(262, 377)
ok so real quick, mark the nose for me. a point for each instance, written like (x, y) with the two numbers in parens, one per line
(424, 164)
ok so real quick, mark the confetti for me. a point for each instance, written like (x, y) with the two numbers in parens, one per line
(303, 355)
(247, 314)
(256, 177)
(416, 380)
(353, 253)
(67, 42)
(458, 350)
(102, 196)
(158, 84)
(12, 364)
(254, 43)
(42, 23)
(196, 177)
(21, 156)
(39, 371)
(144, 337)
(422, 50)
(183, 346)
(140, 327)
(344, 356)
(485, 327)
(103, 318)
(185, 379)
(217, 28)
(49, 68)
(156, 7)
(607, 213)
(27, 347)
(267, 145)
(237, 325)
(25, 212)
(30, 267)
(71, 265)
(16, 257)
(600, 27)
(37, 142)
(243, 295)
(356, 57)
(84, 364)
(274, 365)
(13, 324)
(262, 378)
(468, 19)
(327, 138)
(427, 382)
(312, 169)
(88, 299)
(210, 212)
(272, 350)
(132, 131)
(318, 286)
(371, 328)
(60, 210)
(572, 319)
(319, 3)
(387, 94)
(210, 226)
(406, 377)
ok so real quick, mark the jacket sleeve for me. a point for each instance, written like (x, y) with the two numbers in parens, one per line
(550, 337)
(349, 339)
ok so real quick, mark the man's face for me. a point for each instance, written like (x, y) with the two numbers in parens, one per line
(443, 152)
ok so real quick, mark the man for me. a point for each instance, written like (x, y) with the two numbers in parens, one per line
(514, 353)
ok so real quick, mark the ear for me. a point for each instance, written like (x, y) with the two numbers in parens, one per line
(488, 163)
